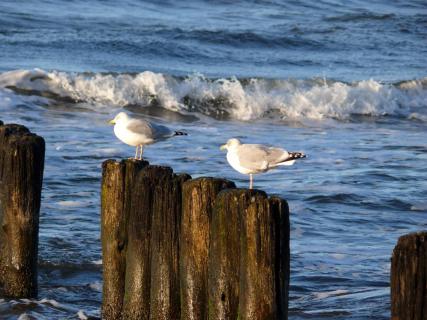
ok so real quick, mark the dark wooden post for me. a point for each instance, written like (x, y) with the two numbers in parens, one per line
(198, 249)
(280, 210)
(152, 277)
(249, 256)
(224, 256)
(21, 175)
(166, 219)
(136, 303)
(409, 278)
(198, 200)
(118, 182)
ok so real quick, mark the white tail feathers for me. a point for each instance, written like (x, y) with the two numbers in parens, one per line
(286, 163)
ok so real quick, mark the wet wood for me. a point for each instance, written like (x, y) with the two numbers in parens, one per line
(177, 248)
(165, 290)
(136, 303)
(280, 211)
(224, 256)
(409, 278)
(247, 277)
(118, 182)
(198, 200)
(21, 174)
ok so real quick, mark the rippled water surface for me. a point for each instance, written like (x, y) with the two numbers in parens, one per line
(345, 83)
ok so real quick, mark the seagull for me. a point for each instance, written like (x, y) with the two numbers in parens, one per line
(139, 132)
(255, 158)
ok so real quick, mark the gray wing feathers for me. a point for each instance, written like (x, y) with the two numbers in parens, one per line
(277, 155)
(140, 127)
(161, 131)
(259, 157)
(150, 130)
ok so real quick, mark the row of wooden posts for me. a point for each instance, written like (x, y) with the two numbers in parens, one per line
(175, 247)
(193, 248)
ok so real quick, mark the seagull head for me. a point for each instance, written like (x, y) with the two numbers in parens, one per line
(121, 116)
(231, 144)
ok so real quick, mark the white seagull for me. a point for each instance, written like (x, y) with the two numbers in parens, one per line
(255, 158)
(139, 132)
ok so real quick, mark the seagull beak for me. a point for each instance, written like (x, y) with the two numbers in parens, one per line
(223, 147)
(112, 122)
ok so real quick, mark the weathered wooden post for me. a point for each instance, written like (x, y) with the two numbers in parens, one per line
(136, 304)
(198, 197)
(152, 277)
(249, 256)
(118, 182)
(282, 259)
(224, 256)
(176, 248)
(409, 278)
(166, 219)
(21, 175)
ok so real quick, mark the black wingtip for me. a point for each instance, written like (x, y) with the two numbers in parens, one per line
(296, 155)
(180, 133)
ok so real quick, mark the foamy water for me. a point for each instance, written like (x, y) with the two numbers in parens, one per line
(245, 99)
(343, 82)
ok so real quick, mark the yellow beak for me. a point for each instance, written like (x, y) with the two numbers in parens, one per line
(112, 122)
(223, 147)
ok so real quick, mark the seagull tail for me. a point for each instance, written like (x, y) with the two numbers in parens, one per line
(180, 133)
(291, 158)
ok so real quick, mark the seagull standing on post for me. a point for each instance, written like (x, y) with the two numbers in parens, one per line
(256, 158)
(139, 132)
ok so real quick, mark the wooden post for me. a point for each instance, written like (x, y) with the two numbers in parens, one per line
(136, 303)
(409, 278)
(198, 200)
(248, 279)
(280, 210)
(198, 249)
(224, 256)
(152, 277)
(118, 182)
(21, 175)
(166, 219)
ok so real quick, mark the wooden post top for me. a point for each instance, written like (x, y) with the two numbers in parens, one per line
(18, 133)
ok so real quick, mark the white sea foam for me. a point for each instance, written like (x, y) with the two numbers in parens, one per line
(240, 99)
(51, 302)
(70, 203)
(82, 315)
(96, 286)
(327, 294)
(24, 316)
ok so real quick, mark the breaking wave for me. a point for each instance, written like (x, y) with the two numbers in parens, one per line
(241, 99)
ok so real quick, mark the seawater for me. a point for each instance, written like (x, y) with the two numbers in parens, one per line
(344, 82)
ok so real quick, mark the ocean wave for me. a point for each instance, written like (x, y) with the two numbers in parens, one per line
(241, 99)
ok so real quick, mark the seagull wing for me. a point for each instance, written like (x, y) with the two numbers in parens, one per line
(161, 132)
(142, 127)
(277, 155)
(259, 157)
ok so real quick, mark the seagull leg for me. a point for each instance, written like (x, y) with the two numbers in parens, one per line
(136, 152)
(251, 181)
(140, 153)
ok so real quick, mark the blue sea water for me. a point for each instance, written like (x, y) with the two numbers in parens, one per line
(345, 82)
